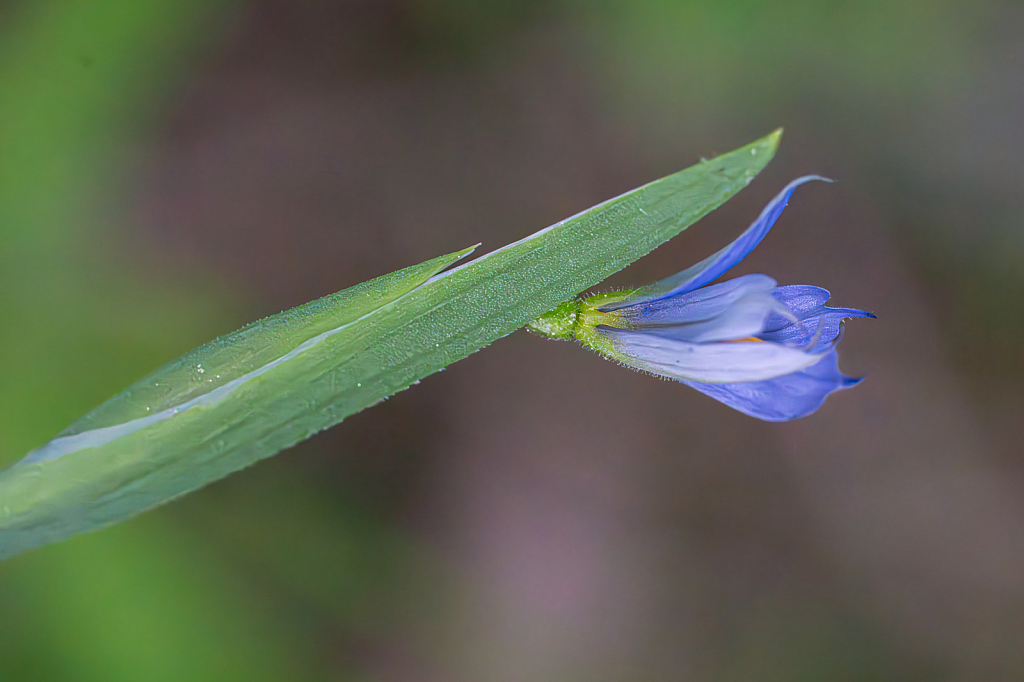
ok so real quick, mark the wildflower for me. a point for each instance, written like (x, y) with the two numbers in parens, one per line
(762, 349)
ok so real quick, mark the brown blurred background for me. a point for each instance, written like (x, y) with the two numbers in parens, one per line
(170, 170)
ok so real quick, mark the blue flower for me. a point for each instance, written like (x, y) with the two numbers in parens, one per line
(762, 349)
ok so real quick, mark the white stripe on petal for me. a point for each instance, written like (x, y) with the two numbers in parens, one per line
(709, 362)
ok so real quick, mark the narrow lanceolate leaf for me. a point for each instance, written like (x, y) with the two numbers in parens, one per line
(250, 394)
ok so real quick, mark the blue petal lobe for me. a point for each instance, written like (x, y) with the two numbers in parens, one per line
(784, 398)
(802, 298)
(816, 319)
(710, 269)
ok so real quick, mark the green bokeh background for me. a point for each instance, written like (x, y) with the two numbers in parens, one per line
(172, 170)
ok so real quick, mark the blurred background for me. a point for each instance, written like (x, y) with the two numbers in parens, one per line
(172, 169)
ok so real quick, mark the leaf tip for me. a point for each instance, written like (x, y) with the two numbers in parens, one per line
(771, 140)
(468, 250)
(760, 152)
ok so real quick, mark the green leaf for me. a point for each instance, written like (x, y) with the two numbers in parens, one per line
(250, 394)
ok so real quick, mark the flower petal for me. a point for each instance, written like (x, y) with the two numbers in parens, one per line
(816, 319)
(707, 362)
(710, 269)
(735, 309)
(802, 298)
(787, 397)
(696, 306)
(743, 319)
